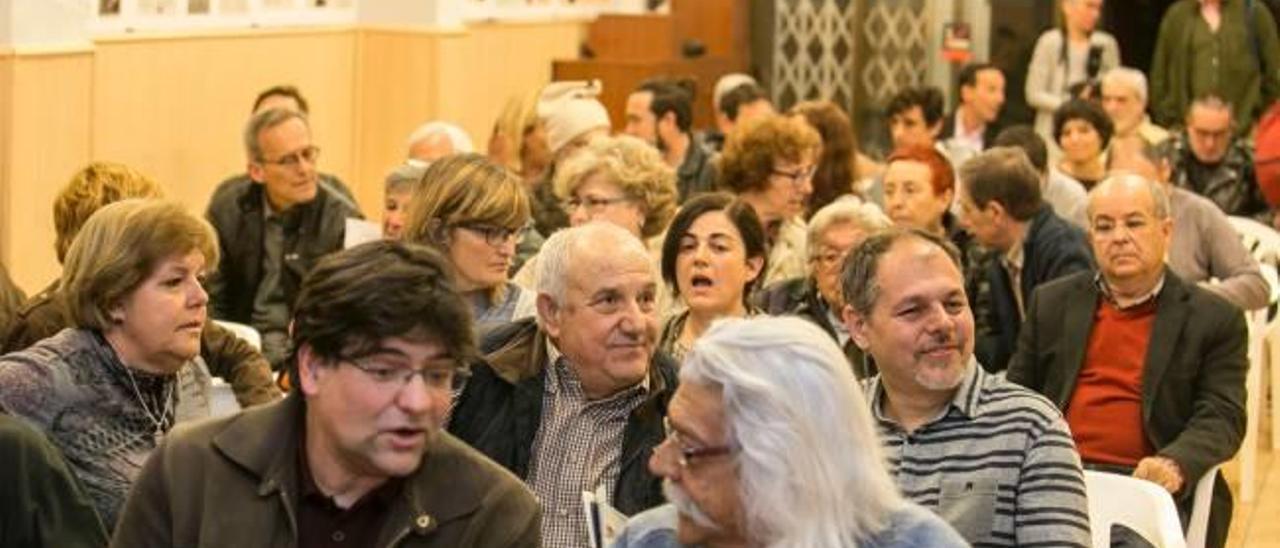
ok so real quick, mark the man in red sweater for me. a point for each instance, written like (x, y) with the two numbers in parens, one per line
(1148, 369)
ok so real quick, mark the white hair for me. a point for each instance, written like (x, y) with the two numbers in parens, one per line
(457, 136)
(563, 252)
(1130, 78)
(1161, 208)
(864, 216)
(812, 473)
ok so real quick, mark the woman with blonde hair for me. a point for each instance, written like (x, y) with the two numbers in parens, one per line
(108, 389)
(474, 211)
(619, 180)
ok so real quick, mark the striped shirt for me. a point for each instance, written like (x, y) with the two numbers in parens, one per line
(998, 464)
(578, 448)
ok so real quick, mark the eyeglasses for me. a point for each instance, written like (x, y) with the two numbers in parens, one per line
(796, 176)
(691, 454)
(494, 235)
(829, 258)
(392, 378)
(593, 205)
(309, 155)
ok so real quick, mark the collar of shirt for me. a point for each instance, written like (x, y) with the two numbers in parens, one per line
(964, 401)
(972, 138)
(1105, 289)
(1013, 259)
(562, 379)
(382, 495)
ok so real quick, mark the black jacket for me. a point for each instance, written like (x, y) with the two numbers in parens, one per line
(1051, 249)
(500, 410)
(800, 297)
(312, 230)
(1193, 393)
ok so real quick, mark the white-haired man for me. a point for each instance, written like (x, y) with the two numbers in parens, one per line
(435, 140)
(575, 401)
(769, 443)
(1124, 97)
(993, 459)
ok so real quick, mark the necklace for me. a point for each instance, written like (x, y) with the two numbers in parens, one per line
(158, 418)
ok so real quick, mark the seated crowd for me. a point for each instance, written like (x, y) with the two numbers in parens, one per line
(756, 336)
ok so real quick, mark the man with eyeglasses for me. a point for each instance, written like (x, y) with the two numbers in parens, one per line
(357, 455)
(1148, 368)
(1208, 159)
(273, 227)
(573, 401)
(993, 459)
(769, 443)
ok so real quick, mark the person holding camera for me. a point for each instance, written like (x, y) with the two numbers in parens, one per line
(1068, 62)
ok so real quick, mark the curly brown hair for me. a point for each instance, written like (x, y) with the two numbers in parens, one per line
(751, 150)
(633, 165)
(835, 174)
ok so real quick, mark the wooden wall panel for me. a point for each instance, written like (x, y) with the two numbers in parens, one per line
(175, 107)
(48, 138)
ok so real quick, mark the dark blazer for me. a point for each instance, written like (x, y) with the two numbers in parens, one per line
(500, 410)
(1051, 249)
(1193, 395)
(989, 133)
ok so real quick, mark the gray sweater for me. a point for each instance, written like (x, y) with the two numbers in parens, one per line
(1206, 246)
(74, 388)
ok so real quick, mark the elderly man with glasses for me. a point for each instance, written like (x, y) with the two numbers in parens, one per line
(770, 443)
(357, 455)
(273, 227)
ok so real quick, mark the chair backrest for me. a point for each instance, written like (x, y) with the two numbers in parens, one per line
(246, 333)
(1263, 243)
(1137, 504)
(1199, 522)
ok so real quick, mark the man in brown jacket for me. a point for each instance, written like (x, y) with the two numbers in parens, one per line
(357, 454)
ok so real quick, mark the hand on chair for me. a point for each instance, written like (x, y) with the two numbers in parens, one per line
(1160, 471)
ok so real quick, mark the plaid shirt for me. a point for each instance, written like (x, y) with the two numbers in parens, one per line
(578, 448)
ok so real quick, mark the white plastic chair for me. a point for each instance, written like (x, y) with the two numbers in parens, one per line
(1135, 503)
(1264, 350)
(1198, 525)
(246, 333)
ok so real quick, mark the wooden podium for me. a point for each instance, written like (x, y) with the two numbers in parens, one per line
(632, 48)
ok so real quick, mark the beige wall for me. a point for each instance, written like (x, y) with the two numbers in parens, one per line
(173, 107)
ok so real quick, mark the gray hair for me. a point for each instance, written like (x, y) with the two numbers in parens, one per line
(1159, 196)
(1130, 78)
(864, 216)
(403, 177)
(561, 253)
(858, 282)
(264, 121)
(807, 450)
(457, 136)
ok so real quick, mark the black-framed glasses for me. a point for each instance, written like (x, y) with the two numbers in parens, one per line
(796, 176)
(445, 376)
(494, 235)
(309, 155)
(688, 454)
(592, 204)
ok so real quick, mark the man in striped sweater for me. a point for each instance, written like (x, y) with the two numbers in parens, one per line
(993, 459)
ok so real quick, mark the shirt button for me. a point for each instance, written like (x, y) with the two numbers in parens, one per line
(562, 512)
(338, 536)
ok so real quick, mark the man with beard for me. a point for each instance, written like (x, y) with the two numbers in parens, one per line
(1148, 368)
(660, 112)
(770, 443)
(993, 459)
(575, 400)
(356, 454)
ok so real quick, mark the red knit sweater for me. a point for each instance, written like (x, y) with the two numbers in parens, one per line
(1105, 411)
